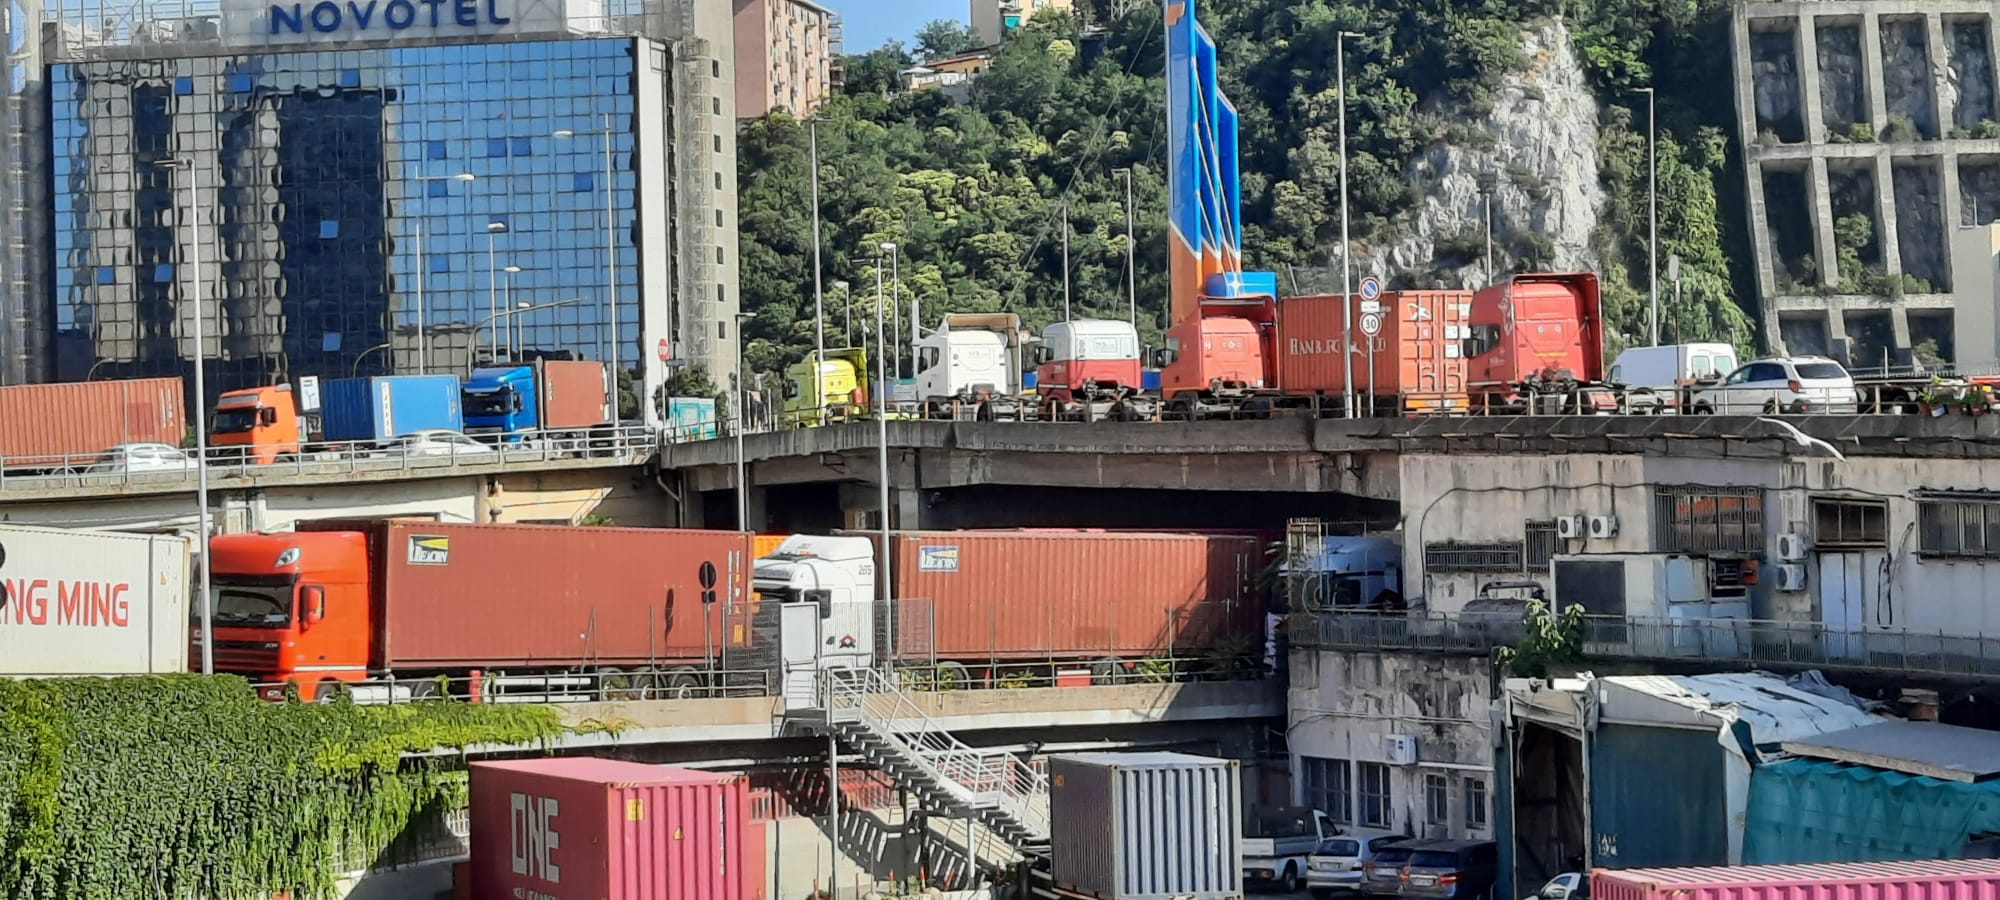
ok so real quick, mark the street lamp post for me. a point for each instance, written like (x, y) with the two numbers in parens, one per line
(493, 281)
(517, 331)
(1653, 212)
(841, 286)
(513, 321)
(610, 240)
(896, 300)
(489, 322)
(423, 272)
(882, 465)
(819, 295)
(201, 411)
(1131, 256)
(742, 420)
(1346, 249)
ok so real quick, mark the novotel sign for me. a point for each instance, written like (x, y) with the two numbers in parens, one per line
(321, 22)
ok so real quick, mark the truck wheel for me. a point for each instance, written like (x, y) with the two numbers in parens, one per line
(1289, 882)
(681, 684)
(952, 676)
(329, 691)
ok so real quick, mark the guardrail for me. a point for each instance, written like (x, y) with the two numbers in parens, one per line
(583, 686)
(1750, 641)
(169, 467)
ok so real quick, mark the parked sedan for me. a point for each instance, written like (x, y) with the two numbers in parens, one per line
(141, 459)
(1338, 863)
(439, 442)
(1797, 384)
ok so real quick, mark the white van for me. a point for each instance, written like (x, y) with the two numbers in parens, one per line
(1654, 378)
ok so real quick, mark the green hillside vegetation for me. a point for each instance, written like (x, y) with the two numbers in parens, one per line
(972, 192)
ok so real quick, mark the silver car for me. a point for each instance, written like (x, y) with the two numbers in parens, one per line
(1337, 865)
(1795, 384)
(142, 459)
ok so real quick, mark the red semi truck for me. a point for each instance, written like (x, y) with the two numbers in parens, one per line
(530, 608)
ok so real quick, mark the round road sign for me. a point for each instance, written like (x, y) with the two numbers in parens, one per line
(1371, 288)
(1371, 324)
(666, 350)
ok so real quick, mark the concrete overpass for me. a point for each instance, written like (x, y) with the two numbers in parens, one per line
(1215, 473)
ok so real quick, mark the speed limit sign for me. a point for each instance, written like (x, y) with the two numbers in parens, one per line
(1371, 324)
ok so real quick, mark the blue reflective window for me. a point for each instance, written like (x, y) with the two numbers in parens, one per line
(184, 85)
(163, 272)
(329, 228)
(241, 83)
(434, 149)
(350, 78)
(439, 188)
(107, 275)
(524, 146)
(496, 146)
(440, 262)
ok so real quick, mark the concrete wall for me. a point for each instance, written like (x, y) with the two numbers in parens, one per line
(1975, 261)
(627, 499)
(1344, 705)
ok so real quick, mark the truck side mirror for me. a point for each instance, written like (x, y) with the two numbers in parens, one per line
(1044, 354)
(824, 600)
(267, 416)
(791, 389)
(1165, 356)
(312, 603)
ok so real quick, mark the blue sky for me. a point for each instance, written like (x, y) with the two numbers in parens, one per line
(867, 23)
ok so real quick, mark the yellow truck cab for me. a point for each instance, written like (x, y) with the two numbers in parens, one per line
(831, 389)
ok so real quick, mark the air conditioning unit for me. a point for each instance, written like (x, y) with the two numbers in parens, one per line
(1570, 528)
(1400, 749)
(1793, 547)
(1604, 526)
(1791, 577)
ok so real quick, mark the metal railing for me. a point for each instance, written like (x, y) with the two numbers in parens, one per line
(620, 444)
(1038, 644)
(982, 778)
(583, 686)
(1749, 641)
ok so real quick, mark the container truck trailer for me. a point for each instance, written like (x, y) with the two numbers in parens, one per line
(546, 396)
(975, 607)
(92, 603)
(46, 427)
(382, 408)
(342, 602)
(1933, 878)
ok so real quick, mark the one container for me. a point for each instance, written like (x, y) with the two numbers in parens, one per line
(384, 407)
(691, 419)
(576, 394)
(41, 424)
(577, 827)
(1419, 348)
(1037, 595)
(92, 603)
(1937, 879)
(1146, 826)
(457, 595)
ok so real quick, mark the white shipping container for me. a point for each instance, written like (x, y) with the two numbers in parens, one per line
(92, 603)
(1146, 826)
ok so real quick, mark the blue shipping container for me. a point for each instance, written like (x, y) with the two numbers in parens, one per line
(381, 408)
(691, 419)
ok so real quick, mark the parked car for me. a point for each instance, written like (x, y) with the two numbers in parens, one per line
(437, 442)
(142, 459)
(1798, 384)
(1567, 886)
(1337, 864)
(1452, 870)
(1656, 378)
(1382, 874)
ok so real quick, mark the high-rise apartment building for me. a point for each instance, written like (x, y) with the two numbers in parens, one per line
(993, 19)
(787, 56)
(368, 189)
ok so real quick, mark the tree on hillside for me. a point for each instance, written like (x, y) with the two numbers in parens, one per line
(876, 72)
(944, 37)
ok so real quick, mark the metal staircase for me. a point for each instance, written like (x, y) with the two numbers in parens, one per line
(866, 710)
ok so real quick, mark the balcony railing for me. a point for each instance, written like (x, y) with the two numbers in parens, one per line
(1747, 641)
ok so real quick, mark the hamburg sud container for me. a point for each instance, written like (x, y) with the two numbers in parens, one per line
(1935, 879)
(384, 407)
(577, 828)
(40, 424)
(540, 595)
(1419, 348)
(1146, 826)
(92, 603)
(1037, 595)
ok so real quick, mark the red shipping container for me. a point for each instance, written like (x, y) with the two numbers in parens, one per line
(1419, 351)
(580, 828)
(1934, 879)
(1077, 595)
(576, 394)
(547, 595)
(40, 424)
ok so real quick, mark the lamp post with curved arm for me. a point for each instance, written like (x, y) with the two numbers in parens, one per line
(489, 320)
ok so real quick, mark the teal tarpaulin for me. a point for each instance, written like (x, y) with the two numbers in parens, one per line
(1808, 811)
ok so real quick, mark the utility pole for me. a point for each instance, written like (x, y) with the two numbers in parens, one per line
(819, 296)
(1653, 209)
(1065, 230)
(1346, 248)
(1131, 257)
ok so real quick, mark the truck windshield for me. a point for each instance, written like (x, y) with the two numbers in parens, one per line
(259, 606)
(489, 403)
(235, 421)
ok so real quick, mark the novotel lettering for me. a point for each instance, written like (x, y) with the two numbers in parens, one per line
(396, 15)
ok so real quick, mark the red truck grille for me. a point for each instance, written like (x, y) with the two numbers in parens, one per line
(255, 658)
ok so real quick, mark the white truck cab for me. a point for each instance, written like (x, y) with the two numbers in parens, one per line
(824, 588)
(1278, 839)
(971, 364)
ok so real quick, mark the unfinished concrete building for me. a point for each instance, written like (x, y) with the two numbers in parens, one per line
(1870, 133)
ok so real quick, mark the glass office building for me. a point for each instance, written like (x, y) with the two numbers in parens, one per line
(355, 208)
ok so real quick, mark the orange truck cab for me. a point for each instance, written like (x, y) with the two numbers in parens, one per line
(1539, 334)
(262, 422)
(292, 608)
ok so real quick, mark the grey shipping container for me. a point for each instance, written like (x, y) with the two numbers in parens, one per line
(1146, 826)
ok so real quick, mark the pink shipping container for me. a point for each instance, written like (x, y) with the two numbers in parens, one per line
(40, 424)
(1928, 879)
(1028, 595)
(600, 829)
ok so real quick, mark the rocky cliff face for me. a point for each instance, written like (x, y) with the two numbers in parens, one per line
(1542, 168)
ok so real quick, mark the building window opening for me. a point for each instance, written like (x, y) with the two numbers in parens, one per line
(1374, 795)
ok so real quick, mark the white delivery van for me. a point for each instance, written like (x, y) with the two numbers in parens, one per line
(1655, 379)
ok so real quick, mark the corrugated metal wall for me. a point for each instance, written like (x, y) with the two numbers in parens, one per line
(1657, 798)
